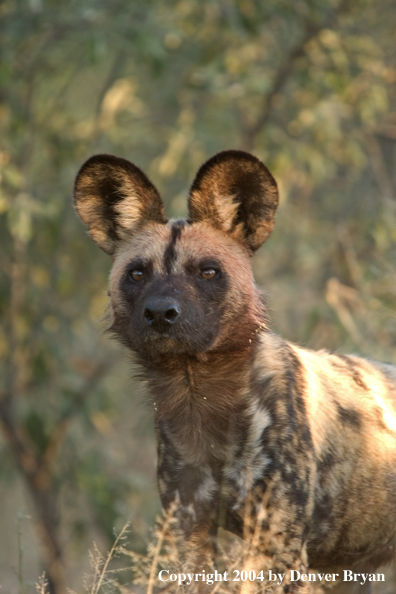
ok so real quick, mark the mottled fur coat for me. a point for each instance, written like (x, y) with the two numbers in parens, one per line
(250, 427)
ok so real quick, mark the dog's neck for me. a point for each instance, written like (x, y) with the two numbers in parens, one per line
(199, 400)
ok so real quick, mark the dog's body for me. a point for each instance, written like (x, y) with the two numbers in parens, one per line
(254, 433)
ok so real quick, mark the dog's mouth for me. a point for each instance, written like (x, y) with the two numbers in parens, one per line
(175, 340)
(160, 337)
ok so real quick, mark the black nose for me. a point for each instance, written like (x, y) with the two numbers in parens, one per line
(159, 312)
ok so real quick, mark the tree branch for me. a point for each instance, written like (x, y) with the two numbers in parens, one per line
(311, 30)
(36, 473)
(42, 496)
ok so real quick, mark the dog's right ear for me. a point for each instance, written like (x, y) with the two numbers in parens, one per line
(114, 198)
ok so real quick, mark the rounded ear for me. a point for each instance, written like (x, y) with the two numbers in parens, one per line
(114, 198)
(236, 193)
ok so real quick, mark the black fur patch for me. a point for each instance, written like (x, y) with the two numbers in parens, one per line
(353, 369)
(349, 416)
(170, 253)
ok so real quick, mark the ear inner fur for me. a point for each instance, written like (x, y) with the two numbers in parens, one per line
(114, 198)
(235, 193)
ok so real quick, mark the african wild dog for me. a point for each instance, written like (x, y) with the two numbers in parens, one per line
(306, 441)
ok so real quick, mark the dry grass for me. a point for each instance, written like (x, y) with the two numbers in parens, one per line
(42, 585)
(163, 552)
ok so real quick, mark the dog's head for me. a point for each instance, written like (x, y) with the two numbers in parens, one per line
(185, 286)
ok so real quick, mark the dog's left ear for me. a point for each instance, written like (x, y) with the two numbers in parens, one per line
(235, 192)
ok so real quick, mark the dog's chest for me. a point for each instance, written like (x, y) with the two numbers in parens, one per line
(202, 471)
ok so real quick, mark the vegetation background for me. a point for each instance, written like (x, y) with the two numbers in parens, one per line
(309, 86)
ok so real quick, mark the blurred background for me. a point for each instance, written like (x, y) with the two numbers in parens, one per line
(309, 86)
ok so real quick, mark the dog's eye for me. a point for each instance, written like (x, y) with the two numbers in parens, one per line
(136, 275)
(208, 273)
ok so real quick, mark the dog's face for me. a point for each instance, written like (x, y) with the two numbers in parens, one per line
(180, 287)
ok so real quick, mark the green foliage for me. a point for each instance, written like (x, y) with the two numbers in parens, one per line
(307, 86)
